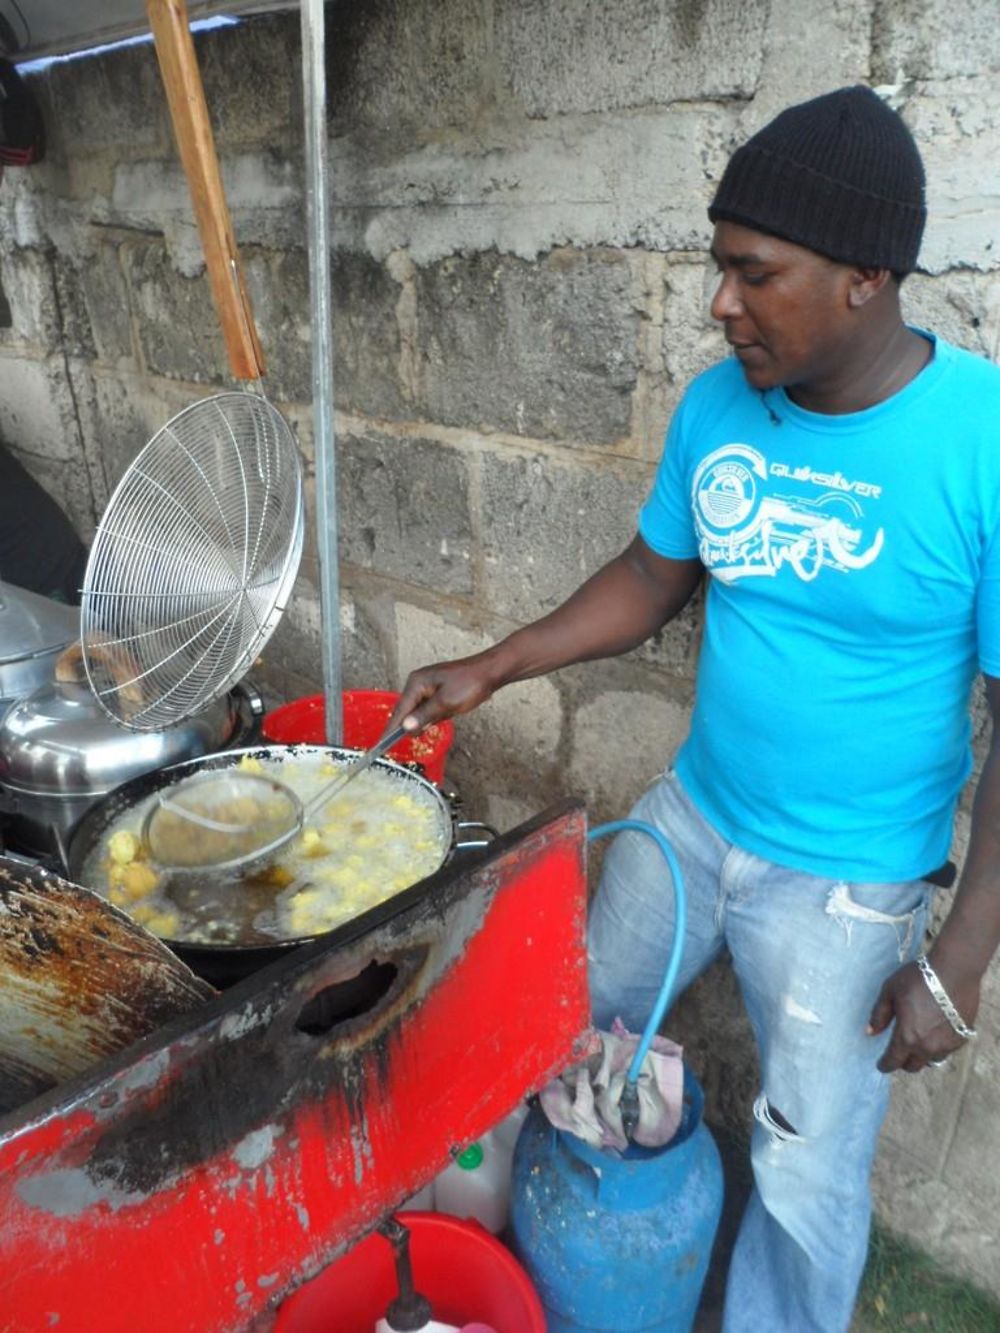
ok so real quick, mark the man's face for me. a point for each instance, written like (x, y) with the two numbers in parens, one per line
(784, 309)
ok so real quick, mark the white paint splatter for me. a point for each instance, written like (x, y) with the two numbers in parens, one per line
(69, 1193)
(361, 1149)
(146, 1074)
(257, 1147)
(795, 1010)
(239, 1024)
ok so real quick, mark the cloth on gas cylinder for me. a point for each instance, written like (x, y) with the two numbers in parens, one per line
(585, 1098)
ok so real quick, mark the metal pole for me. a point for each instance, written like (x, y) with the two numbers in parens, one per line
(324, 437)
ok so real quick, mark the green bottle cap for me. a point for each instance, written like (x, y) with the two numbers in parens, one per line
(471, 1158)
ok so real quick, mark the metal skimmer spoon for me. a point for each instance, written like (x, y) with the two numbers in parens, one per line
(227, 820)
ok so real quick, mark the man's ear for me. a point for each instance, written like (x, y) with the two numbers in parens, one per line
(865, 283)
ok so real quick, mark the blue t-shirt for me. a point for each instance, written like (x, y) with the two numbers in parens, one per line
(854, 589)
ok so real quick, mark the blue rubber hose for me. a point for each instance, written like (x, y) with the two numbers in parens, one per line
(630, 1098)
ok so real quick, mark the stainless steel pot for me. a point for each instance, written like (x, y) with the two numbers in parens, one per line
(60, 753)
(34, 630)
(223, 964)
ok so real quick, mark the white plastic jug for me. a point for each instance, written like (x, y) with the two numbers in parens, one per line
(476, 1185)
(508, 1129)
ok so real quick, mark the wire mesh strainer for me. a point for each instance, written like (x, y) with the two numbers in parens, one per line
(193, 561)
(227, 820)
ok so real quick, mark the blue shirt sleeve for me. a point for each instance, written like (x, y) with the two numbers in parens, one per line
(666, 523)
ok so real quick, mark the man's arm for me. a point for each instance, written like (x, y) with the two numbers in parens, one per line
(966, 943)
(618, 608)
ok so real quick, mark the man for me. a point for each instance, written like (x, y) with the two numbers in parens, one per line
(839, 479)
(39, 549)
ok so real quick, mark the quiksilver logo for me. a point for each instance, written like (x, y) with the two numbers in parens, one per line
(746, 529)
(834, 481)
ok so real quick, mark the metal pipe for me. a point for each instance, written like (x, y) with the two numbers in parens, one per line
(320, 304)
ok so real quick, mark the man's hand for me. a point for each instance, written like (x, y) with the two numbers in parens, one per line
(922, 1034)
(443, 690)
(965, 943)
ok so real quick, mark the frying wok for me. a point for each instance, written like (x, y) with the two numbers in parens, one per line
(219, 963)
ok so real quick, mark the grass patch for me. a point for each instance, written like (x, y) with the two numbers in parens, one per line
(903, 1289)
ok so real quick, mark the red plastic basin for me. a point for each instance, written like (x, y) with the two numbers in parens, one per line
(366, 712)
(465, 1273)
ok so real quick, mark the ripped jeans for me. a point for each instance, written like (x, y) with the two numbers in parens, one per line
(810, 955)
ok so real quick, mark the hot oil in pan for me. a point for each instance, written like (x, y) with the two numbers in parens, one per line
(374, 840)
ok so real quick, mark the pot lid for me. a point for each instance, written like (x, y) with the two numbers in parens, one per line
(31, 624)
(59, 742)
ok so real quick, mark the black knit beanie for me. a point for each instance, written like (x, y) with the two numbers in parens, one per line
(839, 174)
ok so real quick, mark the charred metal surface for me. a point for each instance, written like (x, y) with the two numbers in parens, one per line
(79, 981)
(225, 1088)
(246, 1144)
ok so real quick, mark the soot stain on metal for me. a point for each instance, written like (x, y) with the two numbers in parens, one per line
(222, 1091)
(217, 1096)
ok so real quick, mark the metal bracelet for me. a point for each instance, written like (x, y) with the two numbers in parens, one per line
(944, 1001)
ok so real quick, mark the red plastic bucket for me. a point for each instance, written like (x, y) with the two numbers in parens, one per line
(366, 712)
(465, 1273)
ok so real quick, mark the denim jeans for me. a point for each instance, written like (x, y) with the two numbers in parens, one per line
(810, 955)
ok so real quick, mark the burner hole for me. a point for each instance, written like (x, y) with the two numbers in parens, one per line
(346, 999)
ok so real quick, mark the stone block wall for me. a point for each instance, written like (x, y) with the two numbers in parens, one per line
(521, 288)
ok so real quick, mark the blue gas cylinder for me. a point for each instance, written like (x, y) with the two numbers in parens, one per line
(617, 1244)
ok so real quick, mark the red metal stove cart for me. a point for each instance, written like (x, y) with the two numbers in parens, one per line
(188, 1184)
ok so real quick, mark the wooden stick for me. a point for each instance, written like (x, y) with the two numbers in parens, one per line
(193, 130)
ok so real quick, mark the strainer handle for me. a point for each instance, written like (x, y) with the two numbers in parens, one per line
(338, 783)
